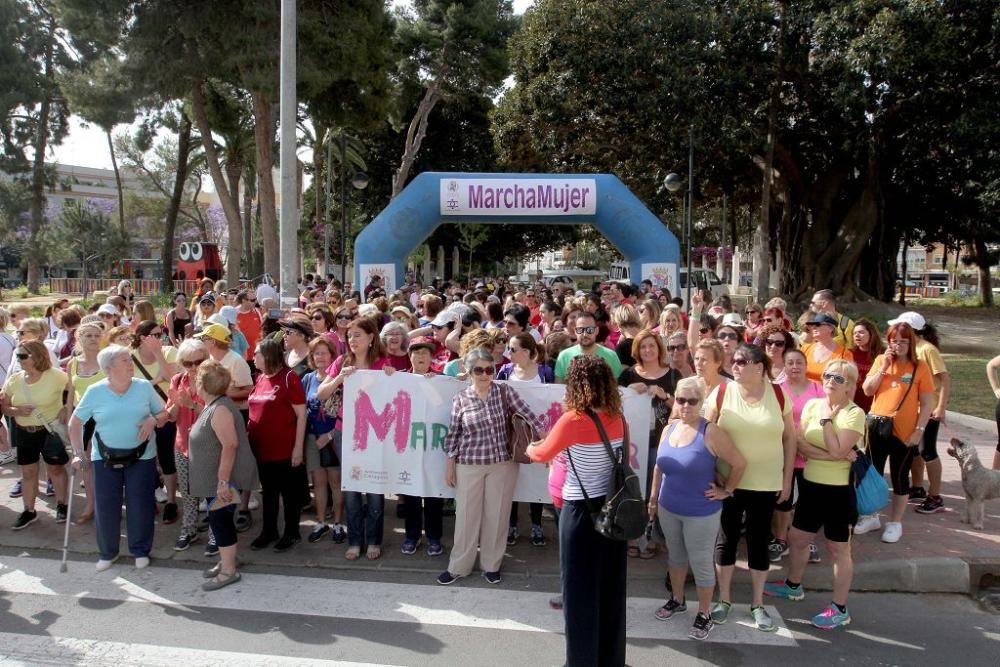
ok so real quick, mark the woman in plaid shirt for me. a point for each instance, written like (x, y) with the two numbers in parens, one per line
(480, 468)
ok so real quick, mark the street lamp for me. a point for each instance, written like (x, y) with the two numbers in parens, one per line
(673, 183)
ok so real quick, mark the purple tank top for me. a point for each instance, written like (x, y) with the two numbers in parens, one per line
(688, 472)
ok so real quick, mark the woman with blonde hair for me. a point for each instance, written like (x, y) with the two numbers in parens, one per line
(142, 311)
(649, 313)
(670, 321)
(626, 318)
(84, 371)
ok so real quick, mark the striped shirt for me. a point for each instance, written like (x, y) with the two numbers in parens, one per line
(576, 432)
(477, 434)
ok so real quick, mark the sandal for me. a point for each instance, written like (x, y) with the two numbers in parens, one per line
(647, 553)
(221, 580)
(374, 552)
(633, 551)
(353, 553)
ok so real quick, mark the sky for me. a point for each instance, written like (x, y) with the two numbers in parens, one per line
(88, 147)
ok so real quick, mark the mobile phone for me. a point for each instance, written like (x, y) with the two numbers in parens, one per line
(274, 313)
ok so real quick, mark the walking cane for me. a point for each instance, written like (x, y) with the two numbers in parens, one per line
(69, 518)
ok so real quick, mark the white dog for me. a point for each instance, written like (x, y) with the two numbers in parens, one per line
(979, 482)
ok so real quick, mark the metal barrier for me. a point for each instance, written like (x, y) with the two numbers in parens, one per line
(139, 287)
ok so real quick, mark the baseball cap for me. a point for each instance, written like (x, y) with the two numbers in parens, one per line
(445, 317)
(209, 297)
(402, 309)
(215, 331)
(303, 328)
(217, 318)
(229, 313)
(732, 320)
(822, 318)
(423, 342)
(107, 309)
(915, 320)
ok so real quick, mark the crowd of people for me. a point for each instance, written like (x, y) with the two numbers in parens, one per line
(198, 413)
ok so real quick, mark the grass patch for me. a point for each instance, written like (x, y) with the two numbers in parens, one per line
(970, 390)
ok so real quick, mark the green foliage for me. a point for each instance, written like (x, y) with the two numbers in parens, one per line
(84, 234)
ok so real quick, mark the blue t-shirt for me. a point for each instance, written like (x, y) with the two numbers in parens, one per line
(239, 344)
(318, 421)
(119, 417)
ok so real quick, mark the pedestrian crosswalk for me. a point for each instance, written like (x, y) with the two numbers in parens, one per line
(467, 604)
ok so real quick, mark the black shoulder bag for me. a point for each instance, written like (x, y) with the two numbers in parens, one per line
(882, 425)
(622, 517)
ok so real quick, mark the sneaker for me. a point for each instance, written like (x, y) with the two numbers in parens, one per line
(434, 548)
(103, 564)
(15, 491)
(7, 457)
(318, 533)
(142, 562)
(720, 611)
(409, 547)
(931, 505)
(702, 627)
(49, 489)
(254, 502)
(26, 518)
(893, 531)
(61, 513)
(762, 619)
(170, 513)
(185, 541)
(670, 609)
(867, 524)
(243, 521)
(537, 536)
(781, 589)
(286, 543)
(161, 495)
(814, 556)
(512, 536)
(831, 618)
(556, 603)
(212, 549)
(446, 578)
(492, 577)
(917, 494)
(776, 550)
(339, 533)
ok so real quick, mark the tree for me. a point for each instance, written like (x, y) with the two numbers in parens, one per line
(451, 46)
(471, 237)
(83, 232)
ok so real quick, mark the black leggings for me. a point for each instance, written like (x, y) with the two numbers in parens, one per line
(758, 507)
(536, 513)
(280, 479)
(900, 459)
(997, 414)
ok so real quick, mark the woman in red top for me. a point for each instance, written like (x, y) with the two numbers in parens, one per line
(593, 567)
(277, 429)
(867, 345)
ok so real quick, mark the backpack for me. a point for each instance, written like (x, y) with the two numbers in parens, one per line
(622, 517)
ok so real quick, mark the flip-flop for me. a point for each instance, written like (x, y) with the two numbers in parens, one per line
(221, 581)
(374, 552)
(352, 553)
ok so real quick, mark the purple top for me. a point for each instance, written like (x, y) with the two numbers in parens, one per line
(688, 472)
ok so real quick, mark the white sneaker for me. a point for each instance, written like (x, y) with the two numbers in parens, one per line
(254, 502)
(893, 531)
(141, 563)
(867, 523)
(103, 565)
(7, 457)
(161, 495)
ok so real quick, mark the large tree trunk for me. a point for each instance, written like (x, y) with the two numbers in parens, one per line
(229, 201)
(38, 167)
(118, 183)
(415, 134)
(176, 198)
(234, 249)
(249, 179)
(263, 114)
(983, 264)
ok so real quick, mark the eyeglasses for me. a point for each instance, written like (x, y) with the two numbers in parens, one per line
(482, 370)
(22, 356)
(192, 363)
(839, 379)
(585, 330)
(681, 400)
(777, 342)
(677, 348)
(726, 335)
(741, 362)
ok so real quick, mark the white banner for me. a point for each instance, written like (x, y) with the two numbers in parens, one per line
(518, 196)
(394, 430)
(663, 276)
(386, 271)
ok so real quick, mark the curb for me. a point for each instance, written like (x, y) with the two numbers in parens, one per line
(970, 421)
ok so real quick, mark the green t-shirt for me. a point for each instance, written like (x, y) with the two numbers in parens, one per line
(566, 356)
(850, 417)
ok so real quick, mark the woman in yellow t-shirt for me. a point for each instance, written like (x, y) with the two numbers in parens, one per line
(830, 429)
(757, 417)
(34, 398)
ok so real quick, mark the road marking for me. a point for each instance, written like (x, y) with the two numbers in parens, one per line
(29, 650)
(430, 604)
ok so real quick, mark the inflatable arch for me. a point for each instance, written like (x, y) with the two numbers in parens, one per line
(602, 200)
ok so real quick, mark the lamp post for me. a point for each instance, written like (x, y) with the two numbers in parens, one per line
(673, 183)
(360, 182)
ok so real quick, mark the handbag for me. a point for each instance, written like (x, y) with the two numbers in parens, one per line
(871, 492)
(520, 432)
(58, 432)
(882, 425)
(622, 517)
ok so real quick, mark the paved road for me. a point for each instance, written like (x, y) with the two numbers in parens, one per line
(161, 617)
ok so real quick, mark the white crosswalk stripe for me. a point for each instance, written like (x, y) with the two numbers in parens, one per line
(503, 609)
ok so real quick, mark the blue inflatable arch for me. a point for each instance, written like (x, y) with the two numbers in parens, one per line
(602, 200)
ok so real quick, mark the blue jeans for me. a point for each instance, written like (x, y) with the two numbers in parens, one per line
(364, 519)
(137, 484)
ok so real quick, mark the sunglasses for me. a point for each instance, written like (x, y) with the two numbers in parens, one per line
(193, 363)
(345, 317)
(107, 316)
(512, 350)
(22, 356)
(704, 330)
(726, 335)
(741, 362)
(317, 318)
(776, 343)
(585, 330)
(839, 379)
(687, 401)
(482, 370)
(677, 348)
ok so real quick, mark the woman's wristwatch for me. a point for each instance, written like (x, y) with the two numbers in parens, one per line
(825, 421)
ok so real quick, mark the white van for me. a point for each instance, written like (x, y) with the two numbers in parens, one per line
(572, 279)
(704, 279)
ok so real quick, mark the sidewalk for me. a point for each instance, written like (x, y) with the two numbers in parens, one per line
(937, 554)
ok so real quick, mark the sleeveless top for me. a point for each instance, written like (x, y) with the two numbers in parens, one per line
(82, 382)
(688, 472)
(205, 452)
